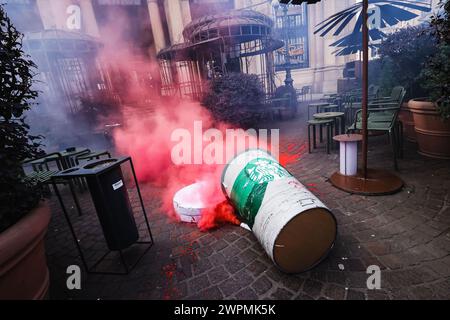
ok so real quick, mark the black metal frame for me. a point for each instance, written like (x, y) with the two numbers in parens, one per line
(288, 32)
(127, 268)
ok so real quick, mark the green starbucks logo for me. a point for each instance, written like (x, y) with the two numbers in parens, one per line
(264, 170)
(250, 186)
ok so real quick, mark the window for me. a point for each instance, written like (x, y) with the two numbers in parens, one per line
(296, 27)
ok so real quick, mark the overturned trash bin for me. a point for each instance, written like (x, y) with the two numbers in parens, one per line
(295, 228)
(109, 194)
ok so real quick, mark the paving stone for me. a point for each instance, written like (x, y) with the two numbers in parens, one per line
(281, 294)
(243, 277)
(217, 259)
(199, 283)
(333, 291)
(230, 237)
(292, 282)
(312, 288)
(212, 293)
(358, 295)
(375, 295)
(230, 286)
(358, 279)
(302, 296)
(230, 251)
(337, 277)
(256, 267)
(422, 293)
(274, 273)
(234, 264)
(207, 240)
(261, 285)
(219, 245)
(248, 256)
(217, 275)
(243, 243)
(202, 265)
(247, 294)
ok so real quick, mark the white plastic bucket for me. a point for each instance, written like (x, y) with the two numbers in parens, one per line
(189, 202)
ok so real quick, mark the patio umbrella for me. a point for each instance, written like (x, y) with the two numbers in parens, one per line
(390, 13)
(369, 182)
(352, 43)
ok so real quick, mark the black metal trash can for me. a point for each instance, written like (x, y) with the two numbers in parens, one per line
(110, 197)
(109, 194)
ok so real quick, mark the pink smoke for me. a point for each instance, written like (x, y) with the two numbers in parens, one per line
(146, 136)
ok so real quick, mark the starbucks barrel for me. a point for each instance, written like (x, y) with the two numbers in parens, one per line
(295, 228)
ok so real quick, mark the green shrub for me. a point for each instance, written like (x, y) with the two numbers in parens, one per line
(403, 55)
(235, 98)
(17, 197)
(436, 74)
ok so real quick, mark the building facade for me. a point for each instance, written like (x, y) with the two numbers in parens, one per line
(154, 25)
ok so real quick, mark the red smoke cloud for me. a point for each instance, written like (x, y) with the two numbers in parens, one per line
(146, 136)
(148, 123)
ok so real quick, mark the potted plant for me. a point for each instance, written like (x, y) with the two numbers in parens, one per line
(403, 55)
(432, 116)
(23, 217)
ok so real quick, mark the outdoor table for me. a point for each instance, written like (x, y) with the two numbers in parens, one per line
(330, 108)
(332, 115)
(317, 106)
(315, 122)
(348, 153)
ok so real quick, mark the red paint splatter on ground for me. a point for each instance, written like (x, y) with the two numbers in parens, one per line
(313, 188)
(292, 155)
(171, 292)
(170, 271)
(189, 251)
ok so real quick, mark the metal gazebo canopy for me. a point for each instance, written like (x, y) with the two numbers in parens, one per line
(220, 43)
(367, 181)
(65, 63)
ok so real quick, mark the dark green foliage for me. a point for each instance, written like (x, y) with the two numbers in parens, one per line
(235, 98)
(436, 74)
(16, 145)
(93, 109)
(402, 57)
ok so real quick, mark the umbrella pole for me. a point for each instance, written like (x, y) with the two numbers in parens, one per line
(373, 181)
(365, 85)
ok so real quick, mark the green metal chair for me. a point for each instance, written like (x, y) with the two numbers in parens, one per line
(383, 119)
(397, 94)
(42, 173)
(396, 98)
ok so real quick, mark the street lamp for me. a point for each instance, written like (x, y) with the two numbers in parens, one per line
(285, 25)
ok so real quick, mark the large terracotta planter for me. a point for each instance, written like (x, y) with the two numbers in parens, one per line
(23, 265)
(406, 117)
(433, 134)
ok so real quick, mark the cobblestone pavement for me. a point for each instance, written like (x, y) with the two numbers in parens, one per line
(407, 235)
